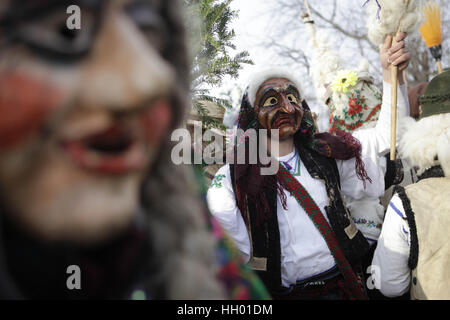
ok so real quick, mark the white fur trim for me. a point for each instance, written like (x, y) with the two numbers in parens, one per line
(443, 150)
(230, 117)
(363, 65)
(422, 141)
(260, 77)
(391, 13)
(325, 63)
(363, 71)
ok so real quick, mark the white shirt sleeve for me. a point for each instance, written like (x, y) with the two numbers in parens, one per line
(376, 141)
(222, 204)
(390, 261)
(353, 187)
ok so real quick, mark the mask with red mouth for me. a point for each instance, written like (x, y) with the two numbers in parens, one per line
(85, 152)
(85, 112)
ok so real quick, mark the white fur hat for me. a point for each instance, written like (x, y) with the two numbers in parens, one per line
(426, 143)
(271, 73)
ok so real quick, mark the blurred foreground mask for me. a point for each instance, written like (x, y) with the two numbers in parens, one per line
(83, 112)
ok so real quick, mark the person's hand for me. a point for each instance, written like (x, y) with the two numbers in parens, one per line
(396, 54)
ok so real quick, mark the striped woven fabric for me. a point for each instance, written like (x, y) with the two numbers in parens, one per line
(291, 184)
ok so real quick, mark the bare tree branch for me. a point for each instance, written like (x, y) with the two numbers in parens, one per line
(346, 24)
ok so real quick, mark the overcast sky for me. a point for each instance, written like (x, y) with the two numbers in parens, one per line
(253, 23)
(251, 26)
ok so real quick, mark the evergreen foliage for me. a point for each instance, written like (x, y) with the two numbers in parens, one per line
(212, 60)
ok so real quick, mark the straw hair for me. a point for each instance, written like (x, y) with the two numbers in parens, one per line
(431, 29)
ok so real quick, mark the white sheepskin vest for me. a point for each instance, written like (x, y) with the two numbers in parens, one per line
(430, 203)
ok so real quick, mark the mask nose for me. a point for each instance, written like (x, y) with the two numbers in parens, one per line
(287, 105)
(124, 70)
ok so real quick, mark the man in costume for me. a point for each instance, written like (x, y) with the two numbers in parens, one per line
(413, 251)
(86, 180)
(293, 227)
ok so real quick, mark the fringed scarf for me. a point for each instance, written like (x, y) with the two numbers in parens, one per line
(250, 184)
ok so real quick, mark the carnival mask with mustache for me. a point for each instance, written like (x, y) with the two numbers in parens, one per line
(278, 106)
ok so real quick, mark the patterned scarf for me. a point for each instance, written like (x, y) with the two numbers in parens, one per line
(357, 108)
(352, 282)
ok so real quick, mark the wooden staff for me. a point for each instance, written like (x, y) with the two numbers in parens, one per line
(439, 64)
(394, 74)
(308, 8)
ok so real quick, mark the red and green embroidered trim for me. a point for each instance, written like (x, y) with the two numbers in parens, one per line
(307, 202)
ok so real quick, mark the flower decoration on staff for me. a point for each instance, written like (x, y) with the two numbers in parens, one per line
(344, 80)
(431, 31)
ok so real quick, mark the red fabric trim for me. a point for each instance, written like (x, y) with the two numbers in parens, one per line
(291, 184)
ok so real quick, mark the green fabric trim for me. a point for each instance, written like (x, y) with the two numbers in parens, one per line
(436, 99)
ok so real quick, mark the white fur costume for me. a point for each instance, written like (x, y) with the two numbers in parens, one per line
(387, 20)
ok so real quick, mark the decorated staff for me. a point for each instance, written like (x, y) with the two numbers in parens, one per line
(353, 104)
(325, 62)
(390, 18)
(311, 21)
(308, 9)
(431, 31)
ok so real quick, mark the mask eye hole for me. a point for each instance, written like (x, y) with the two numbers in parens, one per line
(149, 21)
(48, 34)
(292, 98)
(271, 101)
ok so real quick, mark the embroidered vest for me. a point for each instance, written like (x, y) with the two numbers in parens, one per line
(265, 256)
(427, 207)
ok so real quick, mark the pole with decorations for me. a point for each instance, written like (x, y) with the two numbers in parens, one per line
(390, 17)
(308, 12)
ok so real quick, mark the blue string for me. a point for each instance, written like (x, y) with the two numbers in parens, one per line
(379, 8)
(296, 161)
(288, 166)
